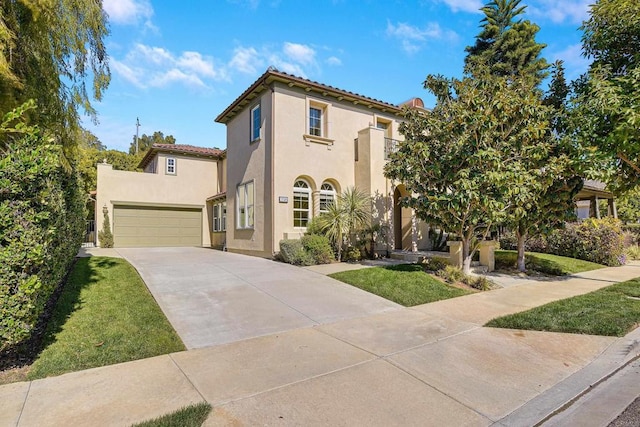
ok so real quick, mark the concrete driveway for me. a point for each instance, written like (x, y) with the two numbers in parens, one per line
(212, 297)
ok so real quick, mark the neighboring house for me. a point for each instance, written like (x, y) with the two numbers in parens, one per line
(293, 145)
(587, 200)
(166, 205)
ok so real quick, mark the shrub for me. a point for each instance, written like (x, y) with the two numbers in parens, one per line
(508, 241)
(634, 231)
(633, 252)
(506, 260)
(596, 240)
(41, 228)
(480, 283)
(292, 252)
(451, 274)
(435, 263)
(318, 247)
(351, 254)
(105, 236)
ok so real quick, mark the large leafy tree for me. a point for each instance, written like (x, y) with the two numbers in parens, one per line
(49, 51)
(146, 141)
(476, 156)
(606, 116)
(506, 44)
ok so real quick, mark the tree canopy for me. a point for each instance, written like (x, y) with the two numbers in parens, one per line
(606, 113)
(49, 50)
(145, 142)
(506, 44)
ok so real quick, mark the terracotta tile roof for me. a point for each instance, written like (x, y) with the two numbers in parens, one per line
(181, 149)
(273, 74)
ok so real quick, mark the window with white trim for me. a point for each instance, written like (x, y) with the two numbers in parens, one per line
(255, 123)
(220, 216)
(244, 205)
(327, 196)
(315, 121)
(171, 166)
(301, 203)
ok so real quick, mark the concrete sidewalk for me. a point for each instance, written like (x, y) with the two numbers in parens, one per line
(428, 365)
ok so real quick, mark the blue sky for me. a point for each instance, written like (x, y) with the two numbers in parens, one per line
(177, 65)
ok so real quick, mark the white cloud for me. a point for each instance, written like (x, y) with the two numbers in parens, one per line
(300, 53)
(128, 12)
(573, 11)
(149, 66)
(333, 60)
(413, 38)
(246, 60)
(471, 6)
(574, 62)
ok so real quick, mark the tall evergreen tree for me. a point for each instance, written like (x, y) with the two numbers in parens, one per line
(507, 44)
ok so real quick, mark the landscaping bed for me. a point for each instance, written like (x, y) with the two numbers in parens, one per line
(104, 315)
(610, 311)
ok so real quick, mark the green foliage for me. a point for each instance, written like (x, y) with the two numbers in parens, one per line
(451, 274)
(48, 51)
(554, 265)
(105, 236)
(292, 252)
(189, 416)
(351, 213)
(438, 240)
(104, 315)
(435, 263)
(351, 254)
(633, 252)
(628, 206)
(145, 142)
(612, 311)
(318, 247)
(606, 109)
(480, 283)
(41, 228)
(506, 45)
(596, 240)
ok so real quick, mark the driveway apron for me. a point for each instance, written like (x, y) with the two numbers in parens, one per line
(213, 297)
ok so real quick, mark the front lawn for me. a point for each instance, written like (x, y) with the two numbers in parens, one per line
(105, 315)
(612, 311)
(405, 284)
(189, 416)
(545, 263)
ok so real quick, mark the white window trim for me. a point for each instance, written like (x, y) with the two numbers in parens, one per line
(331, 193)
(325, 125)
(309, 210)
(249, 214)
(219, 219)
(167, 166)
(252, 137)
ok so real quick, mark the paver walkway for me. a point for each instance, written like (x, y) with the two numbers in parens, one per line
(429, 365)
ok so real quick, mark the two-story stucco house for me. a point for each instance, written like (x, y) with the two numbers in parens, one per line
(292, 145)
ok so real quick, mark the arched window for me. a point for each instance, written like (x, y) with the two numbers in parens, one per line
(327, 196)
(301, 203)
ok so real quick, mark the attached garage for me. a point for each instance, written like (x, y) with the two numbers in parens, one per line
(147, 226)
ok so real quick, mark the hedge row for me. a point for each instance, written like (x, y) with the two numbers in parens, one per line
(41, 226)
(309, 250)
(596, 240)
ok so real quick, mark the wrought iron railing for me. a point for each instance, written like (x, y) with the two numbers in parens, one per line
(390, 146)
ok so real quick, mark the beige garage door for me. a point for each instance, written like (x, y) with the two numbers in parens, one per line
(141, 226)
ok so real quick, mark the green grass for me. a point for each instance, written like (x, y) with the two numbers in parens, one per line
(405, 284)
(545, 263)
(189, 416)
(611, 311)
(105, 315)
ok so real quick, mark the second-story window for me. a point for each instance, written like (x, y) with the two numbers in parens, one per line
(255, 123)
(171, 166)
(315, 121)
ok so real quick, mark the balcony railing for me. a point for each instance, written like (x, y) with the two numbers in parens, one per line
(390, 146)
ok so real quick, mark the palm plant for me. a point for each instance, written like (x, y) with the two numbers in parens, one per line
(349, 213)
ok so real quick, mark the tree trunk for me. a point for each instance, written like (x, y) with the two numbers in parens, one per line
(521, 239)
(466, 255)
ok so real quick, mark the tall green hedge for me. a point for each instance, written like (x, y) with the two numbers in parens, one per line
(41, 226)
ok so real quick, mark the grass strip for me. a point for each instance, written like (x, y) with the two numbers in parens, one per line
(105, 315)
(189, 416)
(610, 311)
(405, 284)
(545, 263)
